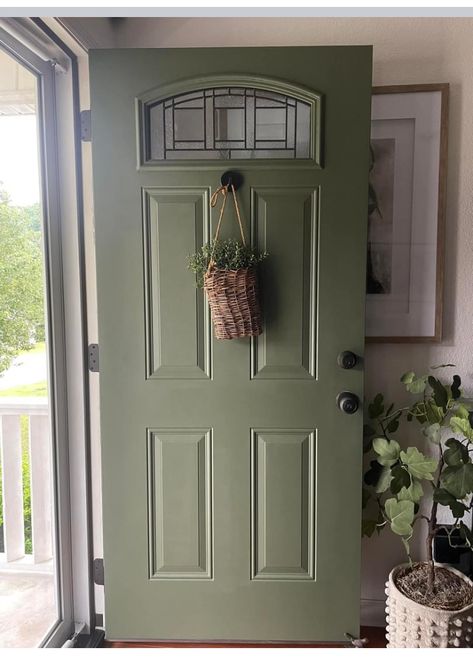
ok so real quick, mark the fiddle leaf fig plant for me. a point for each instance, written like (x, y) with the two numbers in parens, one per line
(398, 481)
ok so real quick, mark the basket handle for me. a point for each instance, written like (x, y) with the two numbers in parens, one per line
(213, 202)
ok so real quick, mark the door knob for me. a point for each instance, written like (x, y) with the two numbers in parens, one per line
(348, 402)
(347, 360)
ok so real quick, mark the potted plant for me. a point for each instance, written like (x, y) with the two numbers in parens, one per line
(428, 604)
(227, 271)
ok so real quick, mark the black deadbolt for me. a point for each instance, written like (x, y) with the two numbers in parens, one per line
(348, 402)
(347, 360)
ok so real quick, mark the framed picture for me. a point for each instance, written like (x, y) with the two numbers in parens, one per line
(406, 214)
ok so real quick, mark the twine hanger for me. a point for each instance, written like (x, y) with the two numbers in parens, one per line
(223, 190)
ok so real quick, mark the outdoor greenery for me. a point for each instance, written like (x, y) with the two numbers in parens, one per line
(398, 481)
(225, 254)
(21, 318)
(21, 280)
(37, 390)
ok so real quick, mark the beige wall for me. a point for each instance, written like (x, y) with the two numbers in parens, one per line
(406, 50)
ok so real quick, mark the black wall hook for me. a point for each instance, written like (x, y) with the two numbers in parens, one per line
(232, 177)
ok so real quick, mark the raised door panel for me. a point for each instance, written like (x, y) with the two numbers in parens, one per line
(180, 504)
(178, 334)
(283, 504)
(285, 224)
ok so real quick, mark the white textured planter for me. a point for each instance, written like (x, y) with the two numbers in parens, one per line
(411, 625)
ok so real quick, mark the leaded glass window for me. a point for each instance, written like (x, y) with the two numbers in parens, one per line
(229, 123)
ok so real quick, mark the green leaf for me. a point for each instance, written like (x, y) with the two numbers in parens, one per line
(371, 477)
(413, 493)
(433, 433)
(376, 408)
(445, 498)
(400, 479)
(378, 477)
(418, 465)
(433, 413)
(394, 423)
(462, 412)
(455, 388)
(440, 392)
(456, 453)
(368, 431)
(388, 451)
(458, 509)
(368, 527)
(383, 481)
(418, 385)
(400, 515)
(460, 425)
(458, 480)
(408, 377)
(365, 497)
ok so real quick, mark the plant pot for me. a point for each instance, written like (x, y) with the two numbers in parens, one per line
(412, 625)
(234, 303)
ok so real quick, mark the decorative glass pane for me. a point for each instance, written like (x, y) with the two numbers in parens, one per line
(229, 123)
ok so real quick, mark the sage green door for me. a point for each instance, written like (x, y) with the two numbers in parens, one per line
(231, 479)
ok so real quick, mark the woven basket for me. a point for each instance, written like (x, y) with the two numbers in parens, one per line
(234, 304)
(411, 625)
(232, 293)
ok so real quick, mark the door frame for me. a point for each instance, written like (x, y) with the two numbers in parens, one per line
(33, 45)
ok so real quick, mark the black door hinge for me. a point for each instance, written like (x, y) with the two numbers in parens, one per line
(98, 572)
(85, 126)
(94, 357)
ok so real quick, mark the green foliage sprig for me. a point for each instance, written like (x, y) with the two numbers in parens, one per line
(398, 480)
(226, 254)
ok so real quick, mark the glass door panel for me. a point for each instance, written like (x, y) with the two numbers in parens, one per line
(28, 579)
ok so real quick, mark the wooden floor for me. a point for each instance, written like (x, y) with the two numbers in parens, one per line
(375, 637)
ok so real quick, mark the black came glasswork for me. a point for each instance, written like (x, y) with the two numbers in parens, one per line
(229, 123)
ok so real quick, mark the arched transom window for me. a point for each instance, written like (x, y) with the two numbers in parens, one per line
(228, 123)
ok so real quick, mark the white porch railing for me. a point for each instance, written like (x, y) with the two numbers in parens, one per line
(36, 409)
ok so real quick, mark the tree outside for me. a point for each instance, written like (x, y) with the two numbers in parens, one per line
(21, 312)
(21, 280)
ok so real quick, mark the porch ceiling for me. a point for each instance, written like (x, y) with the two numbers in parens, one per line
(17, 88)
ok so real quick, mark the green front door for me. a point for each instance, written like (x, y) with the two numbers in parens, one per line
(231, 478)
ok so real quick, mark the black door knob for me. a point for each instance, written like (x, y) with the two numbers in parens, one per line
(347, 360)
(348, 402)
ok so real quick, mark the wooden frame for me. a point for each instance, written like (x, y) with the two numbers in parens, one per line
(443, 88)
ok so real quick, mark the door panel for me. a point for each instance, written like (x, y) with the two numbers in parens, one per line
(284, 223)
(180, 488)
(176, 222)
(228, 470)
(283, 504)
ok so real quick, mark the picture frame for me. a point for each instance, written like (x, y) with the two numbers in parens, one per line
(406, 215)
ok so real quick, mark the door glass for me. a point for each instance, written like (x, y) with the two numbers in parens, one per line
(28, 603)
(229, 123)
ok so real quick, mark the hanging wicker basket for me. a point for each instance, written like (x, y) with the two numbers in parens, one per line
(232, 294)
(234, 304)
